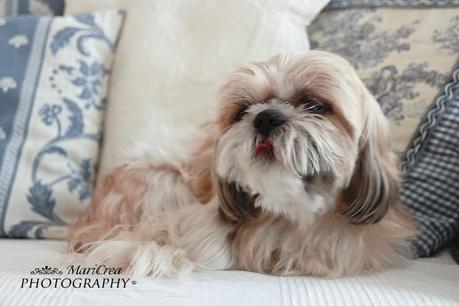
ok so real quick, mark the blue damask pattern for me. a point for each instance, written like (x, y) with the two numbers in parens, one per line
(353, 35)
(88, 30)
(449, 40)
(88, 77)
(390, 86)
(76, 87)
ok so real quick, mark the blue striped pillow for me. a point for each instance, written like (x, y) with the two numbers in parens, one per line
(31, 7)
(53, 83)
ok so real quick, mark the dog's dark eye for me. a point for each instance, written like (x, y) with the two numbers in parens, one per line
(315, 107)
(240, 113)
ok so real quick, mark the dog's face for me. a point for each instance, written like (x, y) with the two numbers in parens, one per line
(300, 136)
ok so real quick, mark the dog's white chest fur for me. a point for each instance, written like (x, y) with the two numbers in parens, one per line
(283, 193)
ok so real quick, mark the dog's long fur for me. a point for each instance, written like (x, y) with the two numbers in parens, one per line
(326, 205)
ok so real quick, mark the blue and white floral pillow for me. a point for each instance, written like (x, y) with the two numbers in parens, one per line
(31, 7)
(404, 56)
(53, 82)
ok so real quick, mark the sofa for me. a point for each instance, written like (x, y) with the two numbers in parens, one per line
(127, 97)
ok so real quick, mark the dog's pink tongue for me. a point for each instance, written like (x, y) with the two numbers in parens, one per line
(265, 149)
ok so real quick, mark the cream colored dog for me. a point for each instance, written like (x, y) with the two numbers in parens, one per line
(295, 176)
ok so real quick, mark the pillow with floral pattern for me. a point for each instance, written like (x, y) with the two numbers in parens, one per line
(53, 82)
(406, 52)
(404, 56)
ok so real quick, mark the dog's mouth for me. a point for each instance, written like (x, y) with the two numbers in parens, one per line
(265, 149)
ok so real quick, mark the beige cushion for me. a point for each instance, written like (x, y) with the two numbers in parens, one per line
(404, 56)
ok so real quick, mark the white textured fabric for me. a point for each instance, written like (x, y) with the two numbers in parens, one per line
(422, 282)
(173, 55)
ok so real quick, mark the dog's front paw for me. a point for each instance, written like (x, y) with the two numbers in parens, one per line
(150, 259)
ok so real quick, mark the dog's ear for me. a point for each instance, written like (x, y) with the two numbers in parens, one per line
(236, 205)
(375, 181)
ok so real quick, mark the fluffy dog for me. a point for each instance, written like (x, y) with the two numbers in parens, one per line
(295, 176)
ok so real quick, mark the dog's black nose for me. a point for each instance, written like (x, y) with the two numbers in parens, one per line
(268, 120)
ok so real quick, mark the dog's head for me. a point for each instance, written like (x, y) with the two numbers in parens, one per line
(300, 135)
